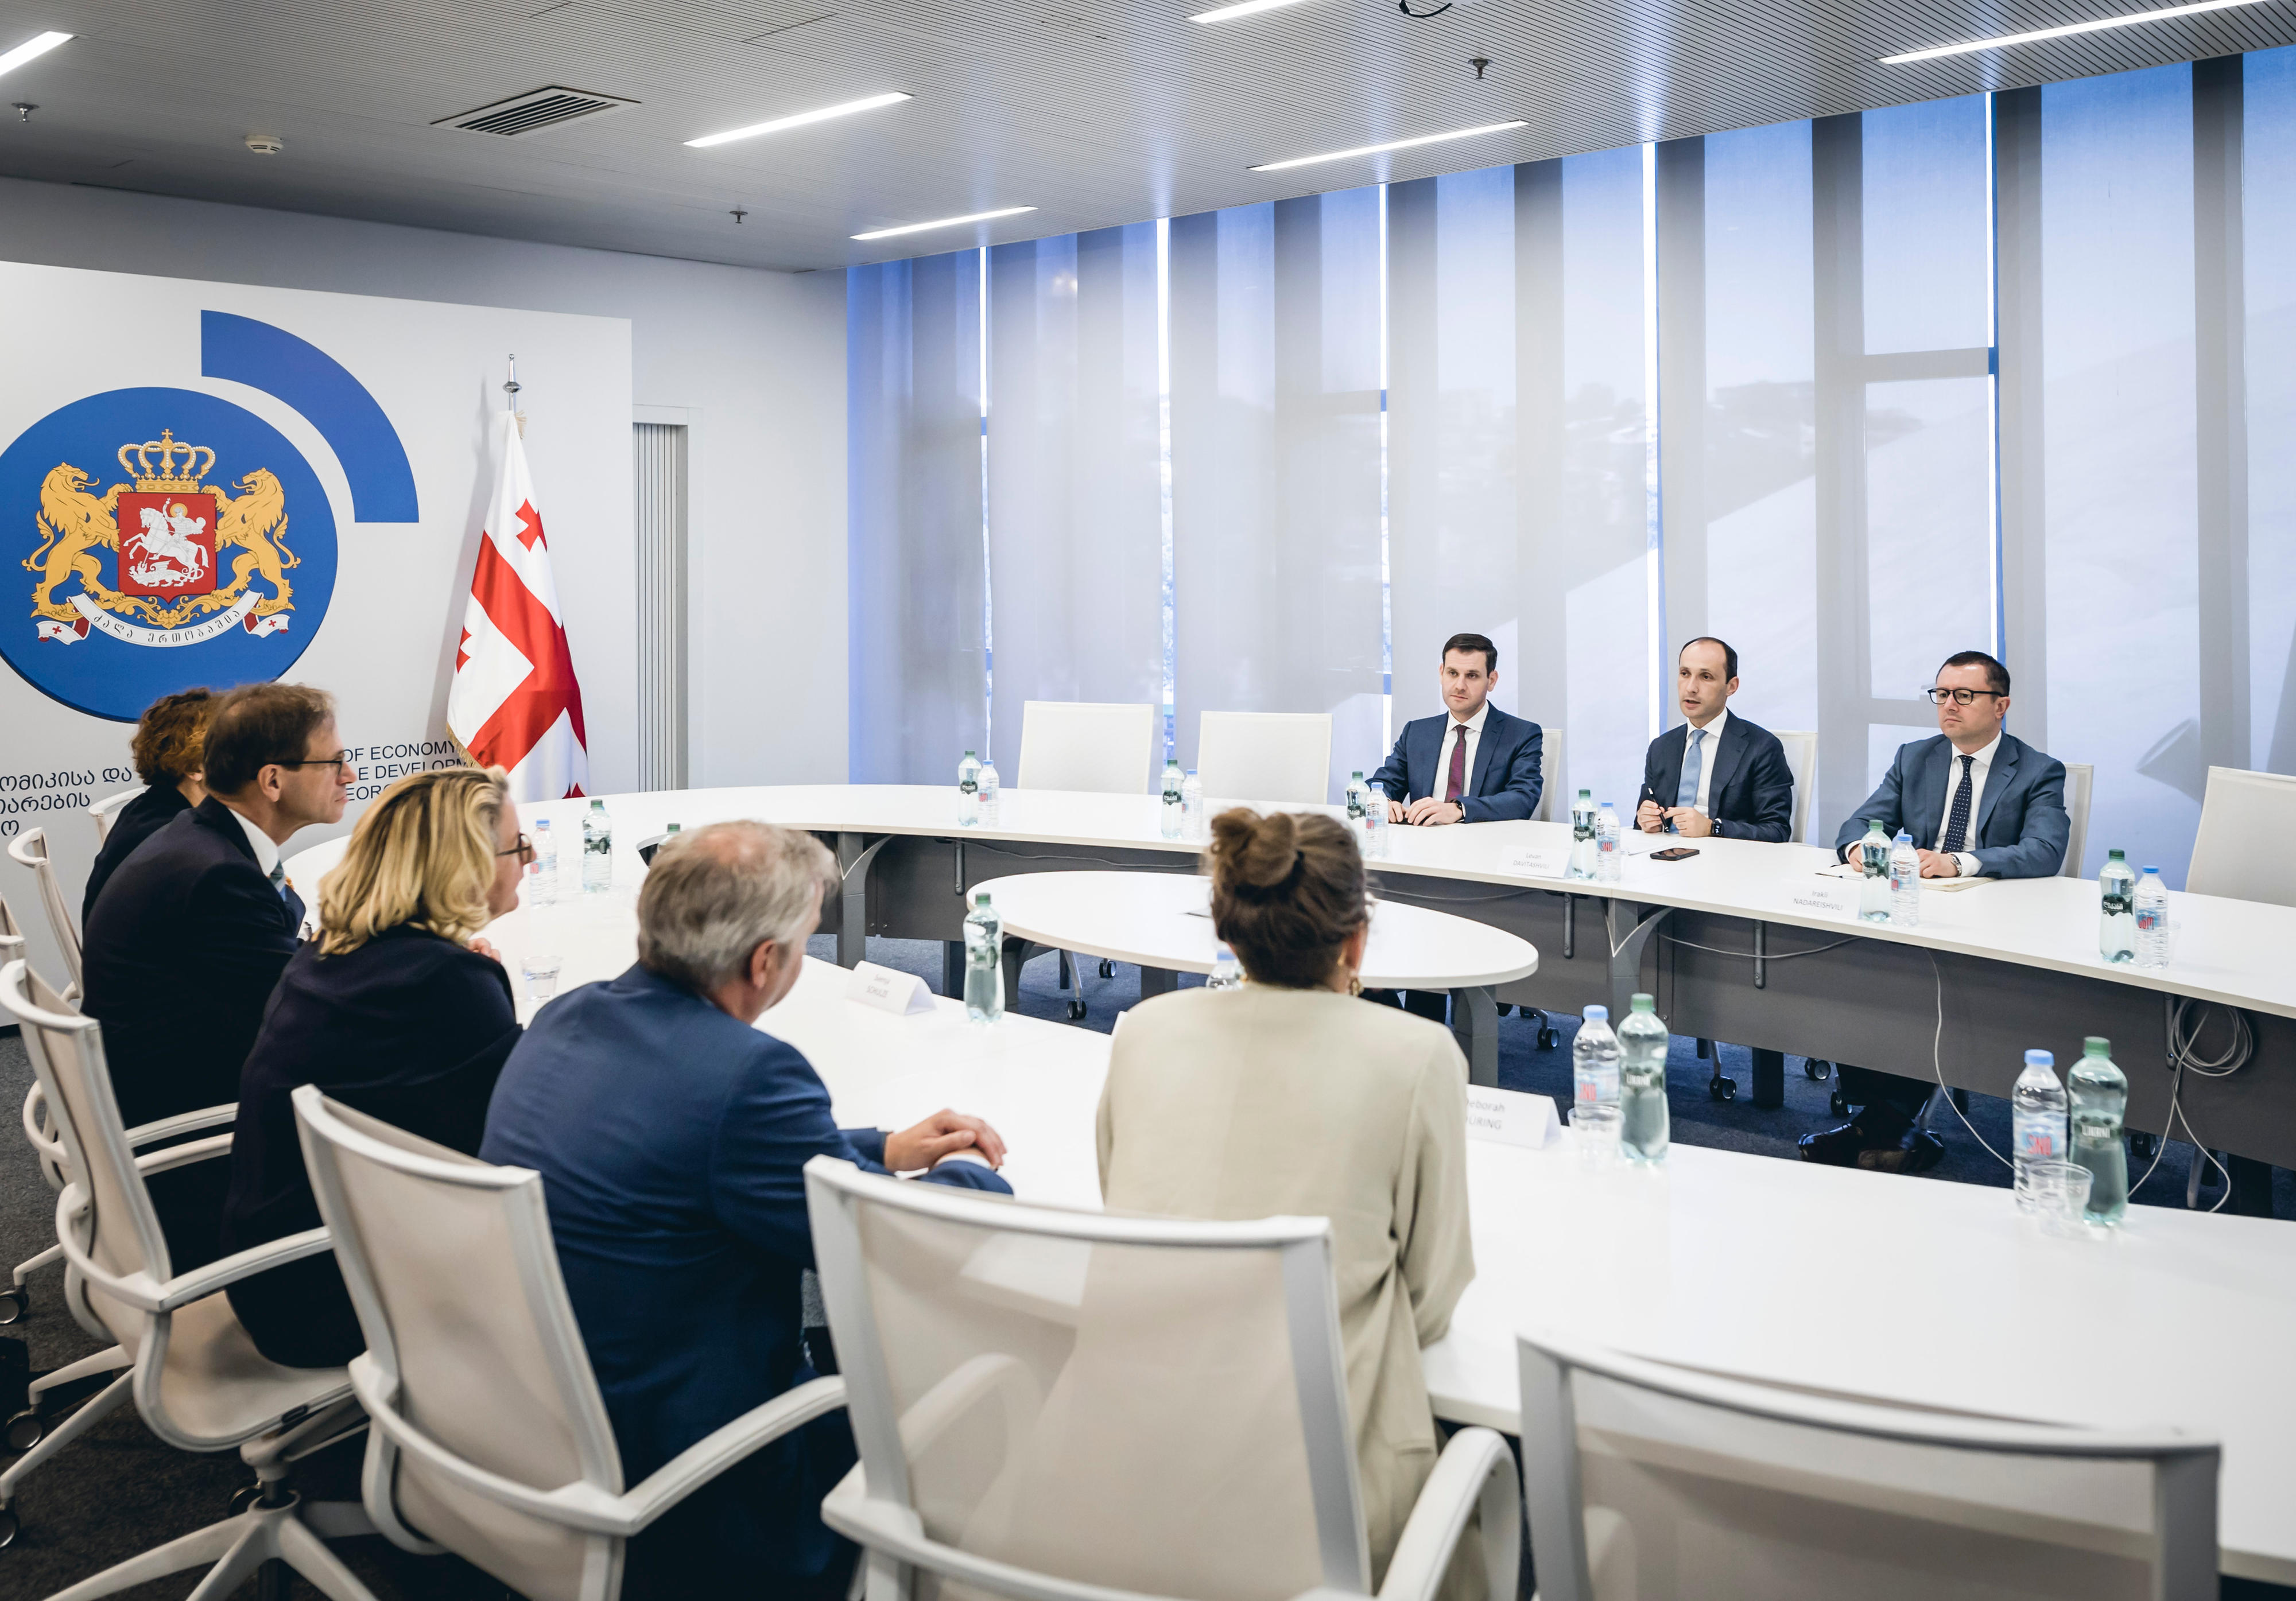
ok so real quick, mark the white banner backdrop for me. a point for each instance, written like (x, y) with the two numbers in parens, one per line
(208, 483)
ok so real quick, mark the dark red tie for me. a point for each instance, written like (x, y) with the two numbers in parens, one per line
(1457, 785)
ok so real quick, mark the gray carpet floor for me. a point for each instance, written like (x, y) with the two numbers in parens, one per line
(120, 1490)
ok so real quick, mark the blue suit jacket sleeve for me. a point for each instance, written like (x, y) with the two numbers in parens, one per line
(1768, 779)
(2042, 836)
(1882, 804)
(1394, 774)
(1518, 797)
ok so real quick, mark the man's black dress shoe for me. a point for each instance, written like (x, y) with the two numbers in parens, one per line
(1920, 1153)
(1839, 1147)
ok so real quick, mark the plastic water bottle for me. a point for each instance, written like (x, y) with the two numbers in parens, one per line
(1354, 797)
(597, 850)
(542, 878)
(2037, 1103)
(1227, 973)
(1643, 1131)
(1904, 883)
(2100, 1099)
(984, 961)
(989, 793)
(1374, 835)
(1610, 850)
(2116, 927)
(1582, 863)
(1194, 823)
(2152, 920)
(1873, 857)
(968, 791)
(1175, 815)
(1594, 1059)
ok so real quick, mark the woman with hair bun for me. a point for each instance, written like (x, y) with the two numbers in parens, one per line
(170, 752)
(1290, 1096)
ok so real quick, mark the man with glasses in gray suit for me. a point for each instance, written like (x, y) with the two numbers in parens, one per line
(1979, 802)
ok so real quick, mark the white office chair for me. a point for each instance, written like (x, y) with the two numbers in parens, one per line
(2081, 778)
(1801, 758)
(489, 1434)
(48, 1150)
(197, 1379)
(2239, 809)
(1097, 748)
(1550, 774)
(106, 812)
(1084, 1406)
(1283, 757)
(30, 849)
(1648, 1481)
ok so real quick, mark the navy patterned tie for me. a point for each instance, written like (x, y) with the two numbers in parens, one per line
(1956, 822)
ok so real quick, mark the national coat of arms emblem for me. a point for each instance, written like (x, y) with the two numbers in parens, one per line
(169, 532)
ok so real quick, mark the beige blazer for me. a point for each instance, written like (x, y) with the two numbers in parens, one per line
(1257, 1102)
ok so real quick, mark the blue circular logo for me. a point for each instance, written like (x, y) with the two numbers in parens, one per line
(170, 539)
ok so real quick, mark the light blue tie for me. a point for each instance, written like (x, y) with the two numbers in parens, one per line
(1688, 795)
(279, 879)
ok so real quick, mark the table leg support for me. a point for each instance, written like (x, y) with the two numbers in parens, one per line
(1016, 952)
(1475, 1025)
(1629, 927)
(952, 968)
(1158, 981)
(853, 863)
(1770, 1078)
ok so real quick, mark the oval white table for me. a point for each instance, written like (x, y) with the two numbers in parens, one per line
(1162, 923)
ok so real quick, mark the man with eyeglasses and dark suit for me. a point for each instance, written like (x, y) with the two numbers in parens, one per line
(1979, 802)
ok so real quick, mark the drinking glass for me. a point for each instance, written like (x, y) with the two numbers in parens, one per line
(541, 977)
(2062, 1191)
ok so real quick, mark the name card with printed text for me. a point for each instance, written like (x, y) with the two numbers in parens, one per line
(1510, 1117)
(1538, 865)
(889, 990)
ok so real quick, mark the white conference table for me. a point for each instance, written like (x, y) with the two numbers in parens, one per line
(1161, 923)
(1926, 1292)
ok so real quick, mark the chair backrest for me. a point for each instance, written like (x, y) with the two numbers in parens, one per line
(2240, 809)
(471, 1340)
(107, 810)
(1097, 747)
(1801, 759)
(1282, 756)
(2080, 778)
(47, 1145)
(1549, 773)
(30, 848)
(1652, 1481)
(1144, 1404)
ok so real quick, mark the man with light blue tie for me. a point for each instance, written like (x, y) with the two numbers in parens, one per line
(1979, 802)
(1474, 763)
(1717, 773)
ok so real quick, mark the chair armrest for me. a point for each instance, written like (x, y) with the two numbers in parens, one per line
(183, 1154)
(202, 1282)
(183, 1123)
(1476, 1469)
(721, 1449)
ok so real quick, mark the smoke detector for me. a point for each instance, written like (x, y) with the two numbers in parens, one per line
(265, 144)
(531, 112)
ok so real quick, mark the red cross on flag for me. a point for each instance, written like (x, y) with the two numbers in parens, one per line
(515, 703)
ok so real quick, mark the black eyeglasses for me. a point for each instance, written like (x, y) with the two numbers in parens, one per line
(1938, 697)
(523, 850)
(340, 760)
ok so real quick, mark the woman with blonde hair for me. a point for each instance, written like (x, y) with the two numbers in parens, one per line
(1291, 1096)
(397, 1009)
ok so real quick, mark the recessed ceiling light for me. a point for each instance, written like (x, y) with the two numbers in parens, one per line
(946, 222)
(38, 46)
(1372, 150)
(1244, 8)
(2130, 20)
(846, 109)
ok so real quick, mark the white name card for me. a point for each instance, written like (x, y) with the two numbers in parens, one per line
(1538, 865)
(1833, 899)
(889, 990)
(1510, 1117)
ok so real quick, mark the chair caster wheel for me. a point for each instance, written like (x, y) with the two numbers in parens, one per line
(2141, 1145)
(1076, 1011)
(24, 1431)
(1723, 1088)
(14, 1303)
(8, 1527)
(1548, 1039)
(1107, 969)
(1838, 1104)
(1814, 1068)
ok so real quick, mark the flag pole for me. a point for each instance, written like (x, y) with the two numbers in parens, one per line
(510, 393)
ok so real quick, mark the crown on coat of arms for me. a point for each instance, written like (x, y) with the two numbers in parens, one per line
(168, 450)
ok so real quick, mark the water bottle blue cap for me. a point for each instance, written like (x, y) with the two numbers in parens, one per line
(1903, 838)
(1597, 1014)
(2039, 1058)
(2152, 869)
(1223, 953)
(1610, 805)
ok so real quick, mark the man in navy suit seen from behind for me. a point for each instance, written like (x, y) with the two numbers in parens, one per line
(1472, 764)
(672, 1138)
(1979, 802)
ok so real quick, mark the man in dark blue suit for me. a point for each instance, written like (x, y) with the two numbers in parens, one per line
(1472, 764)
(672, 1139)
(1978, 801)
(1716, 774)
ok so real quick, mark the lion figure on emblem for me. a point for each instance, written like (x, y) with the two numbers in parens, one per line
(76, 522)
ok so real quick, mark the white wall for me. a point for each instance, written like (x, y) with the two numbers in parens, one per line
(754, 360)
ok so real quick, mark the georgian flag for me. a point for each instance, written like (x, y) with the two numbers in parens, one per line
(515, 703)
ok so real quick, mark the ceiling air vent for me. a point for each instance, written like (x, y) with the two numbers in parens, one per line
(534, 111)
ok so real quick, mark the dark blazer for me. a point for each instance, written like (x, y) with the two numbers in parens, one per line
(180, 955)
(410, 1028)
(2021, 827)
(1504, 784)
(1750, 795)
(137, 822)
(672, 1140)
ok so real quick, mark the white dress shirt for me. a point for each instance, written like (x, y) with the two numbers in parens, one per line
(1474, 737)
(267, 852)
(1977, 770)
(1710, 741)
